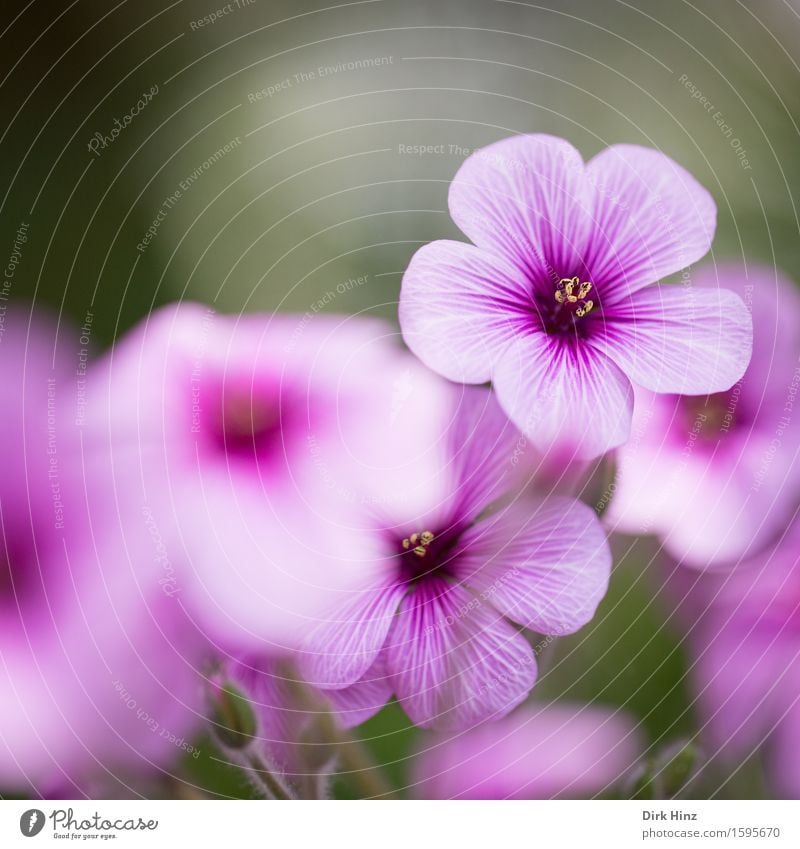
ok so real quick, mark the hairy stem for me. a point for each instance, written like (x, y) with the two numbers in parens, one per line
(271, 782)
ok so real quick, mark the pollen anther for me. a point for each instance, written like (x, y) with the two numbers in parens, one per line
(571, 290)
(418, 543)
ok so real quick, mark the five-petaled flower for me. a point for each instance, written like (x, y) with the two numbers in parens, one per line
(433, 623)
(554, 301)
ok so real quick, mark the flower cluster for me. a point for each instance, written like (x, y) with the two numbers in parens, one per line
(272, 526)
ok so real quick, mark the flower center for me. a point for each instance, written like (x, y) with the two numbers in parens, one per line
(17, 579)
(426, 554)
(247, 422)
(246, 417)
(573, 295)
(562, 314)
(418, 543)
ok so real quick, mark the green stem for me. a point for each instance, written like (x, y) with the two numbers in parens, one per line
(273, 784)
(354, 759)
(356, 762)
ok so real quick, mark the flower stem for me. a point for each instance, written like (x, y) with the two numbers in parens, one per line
(351, 754)
(355, 761)
(272, 784)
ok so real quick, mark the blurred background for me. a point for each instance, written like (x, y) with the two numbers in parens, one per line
(258, 155)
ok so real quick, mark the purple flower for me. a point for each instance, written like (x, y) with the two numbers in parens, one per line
(97, 680)
(554, 301)
(432, 622)
(716, 476)
(541, 752)
(747, 669)
(254, 438)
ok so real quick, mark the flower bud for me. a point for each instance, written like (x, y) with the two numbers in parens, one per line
(232, 716)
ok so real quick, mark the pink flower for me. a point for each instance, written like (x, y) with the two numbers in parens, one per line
(431, 622)
(554, 301)
(747, 670)
(716, 477)
(254, 439)
(97, 680)
(540, 752)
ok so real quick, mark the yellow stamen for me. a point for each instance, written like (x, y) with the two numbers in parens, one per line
(424, 539)
(570, 290)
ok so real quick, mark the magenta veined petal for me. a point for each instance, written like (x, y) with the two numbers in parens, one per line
(650, 218)
(681, 340)
(544, 566)
(454, 660)
(340, 649)
(559, 392)
(460, 308)
(481, 443)
(360, 701)
(525, 199)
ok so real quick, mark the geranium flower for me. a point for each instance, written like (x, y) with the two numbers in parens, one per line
(553, 751)
(747, 667)
(716, 476)
(254, 438)
(97, 679)
(554, 303)
(437, 619)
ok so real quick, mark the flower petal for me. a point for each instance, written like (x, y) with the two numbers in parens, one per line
(339, 650)
(741, 675)
(712, 500)
(460, 307)
(675, 339)
(454, 660)
(559, 750)
(546, 568)
(561, 392)
(526, 199)
(360, 701)
(774, 302)
(481, 442)
(651, 218)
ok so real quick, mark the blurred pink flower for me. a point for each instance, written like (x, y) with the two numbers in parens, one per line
(747, 670)
(716, 477)
(539, 752)
(255, 438)
(97, 681)
(554, 303)
(430, 622)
